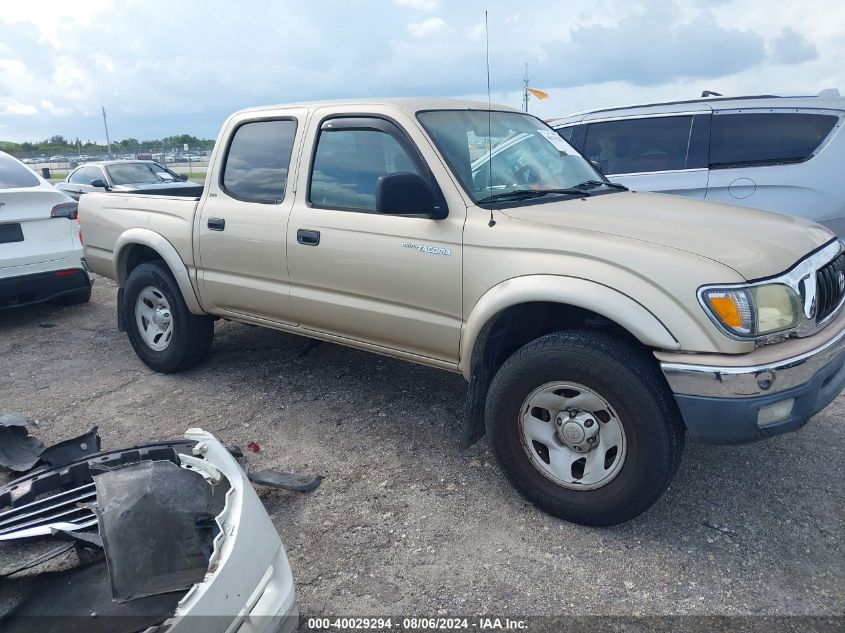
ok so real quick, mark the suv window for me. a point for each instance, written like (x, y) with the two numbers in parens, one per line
(84, 175)
(639, 145)
(349, 162)
(14, 175)
(256, 167)
(766, 137)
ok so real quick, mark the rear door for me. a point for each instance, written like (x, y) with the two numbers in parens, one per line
(28, 233)
(767, 159)
(666, 153)
(241, 228)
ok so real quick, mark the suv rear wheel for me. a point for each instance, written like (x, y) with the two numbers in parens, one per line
(584, 427)
(161, 329)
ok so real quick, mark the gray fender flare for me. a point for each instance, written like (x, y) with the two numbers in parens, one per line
(168, 253)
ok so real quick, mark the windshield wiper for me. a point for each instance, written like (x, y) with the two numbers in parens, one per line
(592, 184)
(528, 194)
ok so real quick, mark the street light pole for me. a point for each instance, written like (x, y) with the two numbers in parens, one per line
(525, 89)
(106, 125)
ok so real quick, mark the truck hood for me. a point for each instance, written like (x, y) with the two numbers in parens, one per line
(754, 243)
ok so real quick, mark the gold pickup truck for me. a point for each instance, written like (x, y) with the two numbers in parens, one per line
(596, 326)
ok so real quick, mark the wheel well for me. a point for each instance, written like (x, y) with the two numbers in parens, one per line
(517, 325)
(137, 255)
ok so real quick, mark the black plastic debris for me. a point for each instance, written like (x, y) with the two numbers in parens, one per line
(157, 523)
(19, 451)
(71, 450)
(285, 481)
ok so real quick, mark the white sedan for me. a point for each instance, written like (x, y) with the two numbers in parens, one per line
(40, 241)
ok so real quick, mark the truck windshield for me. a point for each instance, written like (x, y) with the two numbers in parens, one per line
(508, 152)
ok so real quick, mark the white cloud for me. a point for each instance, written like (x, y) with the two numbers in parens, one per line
(426, 27)
(13, 106)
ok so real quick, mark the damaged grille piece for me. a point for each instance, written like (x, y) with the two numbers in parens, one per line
(157, 524)
(59, 498)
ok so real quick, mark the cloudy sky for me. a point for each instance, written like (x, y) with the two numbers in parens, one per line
(181, 66)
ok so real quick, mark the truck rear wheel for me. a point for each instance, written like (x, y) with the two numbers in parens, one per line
(161, 329)
(584, 427)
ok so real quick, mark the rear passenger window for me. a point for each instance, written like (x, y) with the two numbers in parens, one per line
(763, 138)
(256, 167)
(639, 145)
(349, 162)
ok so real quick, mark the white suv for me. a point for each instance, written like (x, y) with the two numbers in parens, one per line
(40, 241)
(769, 152)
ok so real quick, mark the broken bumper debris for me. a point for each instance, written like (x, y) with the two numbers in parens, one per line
(187, 544)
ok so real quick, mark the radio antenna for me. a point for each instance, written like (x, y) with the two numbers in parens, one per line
(492, 222)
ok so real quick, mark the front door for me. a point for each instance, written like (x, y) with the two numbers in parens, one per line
(242, 224)
(389, 281)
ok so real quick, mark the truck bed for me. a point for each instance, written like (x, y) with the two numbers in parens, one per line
(107, 216)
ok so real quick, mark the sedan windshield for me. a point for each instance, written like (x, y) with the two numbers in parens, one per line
(140, 173)
(508, 156)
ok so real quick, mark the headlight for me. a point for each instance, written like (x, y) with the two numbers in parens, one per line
(753, 311)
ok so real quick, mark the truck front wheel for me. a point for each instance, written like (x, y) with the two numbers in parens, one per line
(161, 329)
(585, 427)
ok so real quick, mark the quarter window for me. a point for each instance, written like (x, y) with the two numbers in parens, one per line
(738, 139)
(256, 167)
(639, 145)
(349, 162)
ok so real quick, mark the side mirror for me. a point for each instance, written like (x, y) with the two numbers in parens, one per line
(597, 165)
(183, 177)
(406, 194)
(98, 183)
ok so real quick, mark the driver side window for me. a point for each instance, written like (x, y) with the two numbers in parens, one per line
(84, 175)
(348, 163)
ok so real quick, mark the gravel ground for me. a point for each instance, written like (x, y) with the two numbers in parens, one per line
(404, 522)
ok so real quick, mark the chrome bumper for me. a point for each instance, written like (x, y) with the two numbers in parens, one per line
(759, 380)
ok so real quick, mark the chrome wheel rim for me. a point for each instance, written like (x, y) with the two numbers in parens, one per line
(572, 435)
(152, 315)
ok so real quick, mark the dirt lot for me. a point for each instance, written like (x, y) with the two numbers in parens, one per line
(404, 523)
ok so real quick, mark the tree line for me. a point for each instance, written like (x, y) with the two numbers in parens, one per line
(58, 144)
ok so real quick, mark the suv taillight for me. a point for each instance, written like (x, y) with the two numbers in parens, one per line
(67, 210)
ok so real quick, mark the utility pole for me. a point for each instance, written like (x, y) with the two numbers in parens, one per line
(524, 89)
(106, 125)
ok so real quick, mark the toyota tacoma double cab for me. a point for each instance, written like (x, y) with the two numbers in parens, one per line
(596, 326)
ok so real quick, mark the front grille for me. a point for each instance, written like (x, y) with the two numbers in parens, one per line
(830, 287)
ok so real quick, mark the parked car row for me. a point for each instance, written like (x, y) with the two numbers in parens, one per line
(776, 153)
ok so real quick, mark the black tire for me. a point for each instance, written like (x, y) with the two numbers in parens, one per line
(192, 334)
(75, 298)
(629, 380)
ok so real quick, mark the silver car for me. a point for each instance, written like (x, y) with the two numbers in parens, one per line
(776, 153)
(127, 176)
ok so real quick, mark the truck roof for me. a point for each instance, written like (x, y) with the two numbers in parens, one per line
(408, 104)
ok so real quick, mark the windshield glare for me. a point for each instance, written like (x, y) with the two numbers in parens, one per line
(526, 153)
(140, 173)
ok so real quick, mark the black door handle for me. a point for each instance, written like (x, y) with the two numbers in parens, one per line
(216, 224)
(308, 237)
